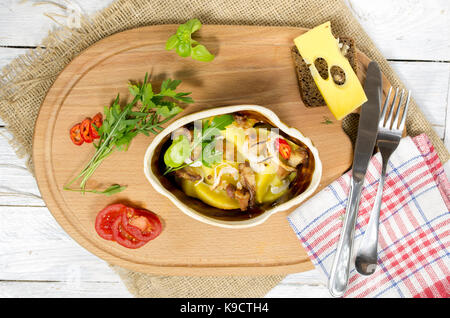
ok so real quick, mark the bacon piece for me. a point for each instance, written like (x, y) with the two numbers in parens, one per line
(248, 180)
(298, 156)
(230, 189)
(188, 174)
(243, 197)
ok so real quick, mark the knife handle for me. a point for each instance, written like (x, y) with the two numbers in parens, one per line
(337, 283)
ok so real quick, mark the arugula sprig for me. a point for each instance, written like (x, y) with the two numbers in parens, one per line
(115, 188)
(185, 46)
(145, 114)
(206, 138)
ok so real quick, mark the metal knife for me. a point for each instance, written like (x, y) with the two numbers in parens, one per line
(365, 143)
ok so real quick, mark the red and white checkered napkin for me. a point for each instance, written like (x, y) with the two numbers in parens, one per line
(414, 237)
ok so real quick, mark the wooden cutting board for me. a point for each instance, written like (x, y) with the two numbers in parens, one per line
(253, 65)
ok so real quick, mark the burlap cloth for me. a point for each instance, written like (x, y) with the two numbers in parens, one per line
(24, 83)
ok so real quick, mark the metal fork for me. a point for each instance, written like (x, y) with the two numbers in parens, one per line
(389, 135)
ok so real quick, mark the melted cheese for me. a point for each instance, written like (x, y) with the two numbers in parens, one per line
(320, 43)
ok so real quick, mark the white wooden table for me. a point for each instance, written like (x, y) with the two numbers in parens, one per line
(38, 259)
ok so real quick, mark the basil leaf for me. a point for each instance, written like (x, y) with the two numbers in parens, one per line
(183, 49)
(222, 121)
(210, 155)
(210, 133)
(171, 42)
(193, 25)
(201, 53)
(182, 29)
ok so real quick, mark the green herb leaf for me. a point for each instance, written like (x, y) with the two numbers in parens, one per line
(116, 188)
(173, 84)
(222, 121)
(134, 90)
(182, 30)
(166, 112)
(210, 133)
(201, 53)
(210, 155)
(193, 25)
(326, 121)
(168, 88)
(171, 42)
(183, 49)
(147, 93)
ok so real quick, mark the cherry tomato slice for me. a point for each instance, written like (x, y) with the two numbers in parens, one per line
(86, 130)
(106, 218)
(97, 120)
(283, 148)
(75, 135)
(142, 224)
(124, 238)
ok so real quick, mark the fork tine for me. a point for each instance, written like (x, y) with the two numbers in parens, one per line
(389, 119)
(385, 107)
(405, 111)
(397, 113)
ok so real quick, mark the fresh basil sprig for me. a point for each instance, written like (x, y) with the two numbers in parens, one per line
(144, 115)
(185, 46)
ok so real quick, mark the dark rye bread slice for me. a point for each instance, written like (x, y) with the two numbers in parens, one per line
(309, 91)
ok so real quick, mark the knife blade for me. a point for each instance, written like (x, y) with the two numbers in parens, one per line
(368, 122)
(365, 143)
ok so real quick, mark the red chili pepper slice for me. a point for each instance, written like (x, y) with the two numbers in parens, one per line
(75, 135)
(283, 148)
(97, 121)
(86, 130)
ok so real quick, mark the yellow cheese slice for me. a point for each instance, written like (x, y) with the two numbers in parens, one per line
(320, 43)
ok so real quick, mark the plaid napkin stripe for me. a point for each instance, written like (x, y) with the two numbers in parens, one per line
(414, 224)
(432, 160)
